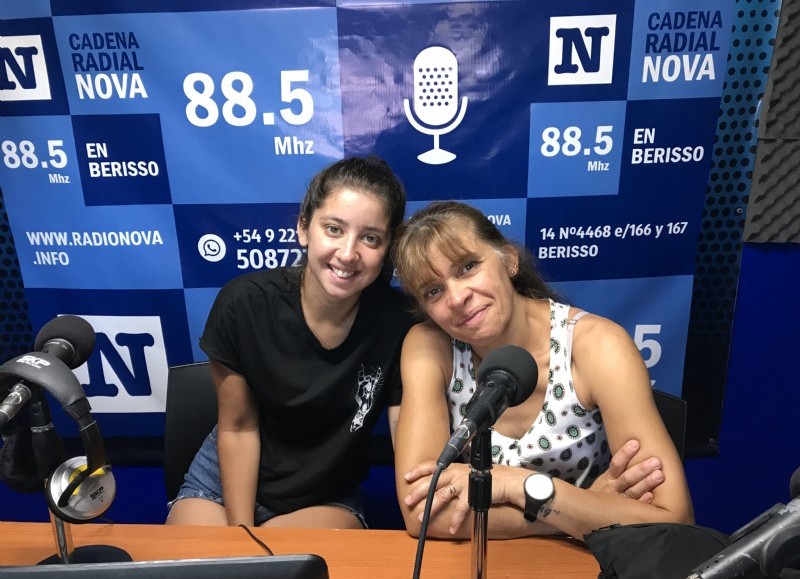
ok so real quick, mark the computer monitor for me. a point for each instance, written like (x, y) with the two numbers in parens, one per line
(261, 567)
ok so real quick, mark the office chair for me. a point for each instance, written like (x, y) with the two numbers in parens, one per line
(673, 413)
(190, 415)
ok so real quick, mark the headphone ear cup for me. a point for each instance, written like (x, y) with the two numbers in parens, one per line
(89, 500)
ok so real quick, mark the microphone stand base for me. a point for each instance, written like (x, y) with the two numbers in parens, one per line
(91, 554)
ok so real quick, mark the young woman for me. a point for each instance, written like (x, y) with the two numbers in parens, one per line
(479, 292)
(304, 360)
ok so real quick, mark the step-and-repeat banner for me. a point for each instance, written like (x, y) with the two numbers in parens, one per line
(154, 149)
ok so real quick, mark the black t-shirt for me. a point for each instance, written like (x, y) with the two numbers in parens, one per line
(317, 407)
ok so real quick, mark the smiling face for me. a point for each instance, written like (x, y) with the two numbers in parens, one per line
(469, 294)
(347, 239)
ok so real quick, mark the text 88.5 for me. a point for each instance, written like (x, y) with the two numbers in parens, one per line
(239, 109)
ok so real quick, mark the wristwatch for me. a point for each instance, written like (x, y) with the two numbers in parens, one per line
(539, 490)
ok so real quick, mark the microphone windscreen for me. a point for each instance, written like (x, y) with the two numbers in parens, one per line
(794, 484)
(73, 329)
(436, 86)
(517, 362)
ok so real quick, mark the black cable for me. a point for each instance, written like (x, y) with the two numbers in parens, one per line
(423, 530)
(257, 540)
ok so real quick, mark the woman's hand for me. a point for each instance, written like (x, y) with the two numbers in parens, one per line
(452, 487)
(633, 481)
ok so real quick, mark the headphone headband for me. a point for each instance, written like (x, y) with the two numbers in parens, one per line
(96, 459)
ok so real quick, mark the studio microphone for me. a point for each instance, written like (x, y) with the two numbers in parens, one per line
(63, 341)
(71, 339)
(436, 100)
(763, 547)
(507, 377)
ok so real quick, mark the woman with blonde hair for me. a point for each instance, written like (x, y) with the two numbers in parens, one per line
(478, 292)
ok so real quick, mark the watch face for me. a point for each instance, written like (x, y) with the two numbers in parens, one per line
(539, 487)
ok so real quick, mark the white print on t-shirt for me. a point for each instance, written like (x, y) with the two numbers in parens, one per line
(365, 395)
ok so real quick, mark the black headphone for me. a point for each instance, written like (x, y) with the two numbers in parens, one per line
(83, 487)
(77, 497)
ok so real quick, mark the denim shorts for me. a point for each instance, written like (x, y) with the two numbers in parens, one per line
(203, 482)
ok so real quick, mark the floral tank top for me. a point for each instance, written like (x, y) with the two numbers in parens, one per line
(565, 440)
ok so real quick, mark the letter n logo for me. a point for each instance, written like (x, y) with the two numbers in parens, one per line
(581, 49)
(128, 370)
(23, 70)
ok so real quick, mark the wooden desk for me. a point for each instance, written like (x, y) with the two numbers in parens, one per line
(350, 554)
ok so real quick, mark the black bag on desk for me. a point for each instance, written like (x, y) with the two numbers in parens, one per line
(653, 550)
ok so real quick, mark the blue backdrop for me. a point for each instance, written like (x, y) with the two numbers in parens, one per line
(109, 153)
(154, 150)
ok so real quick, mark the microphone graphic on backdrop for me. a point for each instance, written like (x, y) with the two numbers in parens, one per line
(436, 100)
